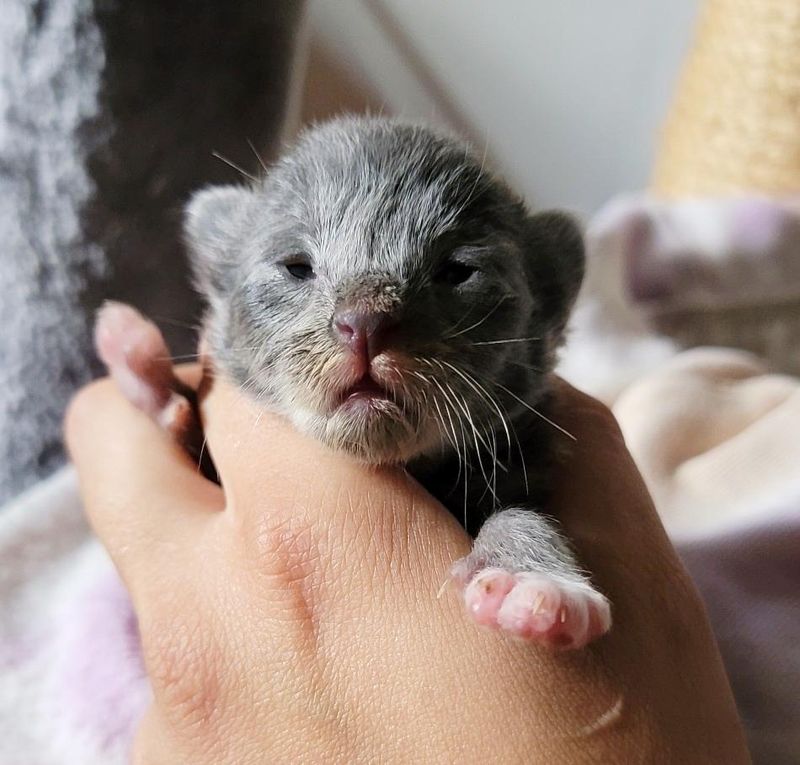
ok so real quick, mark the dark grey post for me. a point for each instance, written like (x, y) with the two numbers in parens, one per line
(109, 113)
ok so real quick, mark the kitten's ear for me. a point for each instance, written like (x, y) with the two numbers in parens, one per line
(213, 222)
(556, 261)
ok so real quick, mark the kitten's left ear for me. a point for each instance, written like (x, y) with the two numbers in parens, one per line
(213, 221)
(556, 261)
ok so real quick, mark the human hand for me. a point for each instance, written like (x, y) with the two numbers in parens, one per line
(293, 616)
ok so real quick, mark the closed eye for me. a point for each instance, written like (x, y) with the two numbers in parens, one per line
(454, 272)
(299, 267)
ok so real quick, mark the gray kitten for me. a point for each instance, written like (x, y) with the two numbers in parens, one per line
(392, 299)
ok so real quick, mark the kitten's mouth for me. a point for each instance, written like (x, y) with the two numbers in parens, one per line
(370, 418)
(366, 391)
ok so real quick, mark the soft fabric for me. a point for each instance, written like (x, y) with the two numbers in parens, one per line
(714, 431)
(109, 114)
(716, 438)
(72, 685)
(712, 271)
(664, 275)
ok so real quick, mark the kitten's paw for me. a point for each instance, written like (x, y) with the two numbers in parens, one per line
(537, 607)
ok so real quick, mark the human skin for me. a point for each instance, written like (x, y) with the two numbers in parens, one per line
(294, 618)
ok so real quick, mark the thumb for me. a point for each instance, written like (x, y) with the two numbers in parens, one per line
(142, 494)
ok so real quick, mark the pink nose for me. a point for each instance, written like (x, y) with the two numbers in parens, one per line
(364, 332)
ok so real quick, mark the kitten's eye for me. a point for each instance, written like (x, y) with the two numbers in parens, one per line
(453, 272)
(299, 267)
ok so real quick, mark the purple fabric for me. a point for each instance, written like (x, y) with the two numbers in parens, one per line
(102, 685)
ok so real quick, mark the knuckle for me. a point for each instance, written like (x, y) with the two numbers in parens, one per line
(284, 549)
(604, 417)
(286, 555)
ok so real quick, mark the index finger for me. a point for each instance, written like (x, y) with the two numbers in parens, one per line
(661, 643)
(596, 463)
(600, 498)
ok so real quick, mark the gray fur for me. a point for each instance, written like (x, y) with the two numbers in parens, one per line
(378, 208)
(518, 540)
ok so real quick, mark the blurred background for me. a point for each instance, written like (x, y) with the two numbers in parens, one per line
(566, 98)
(671, 128)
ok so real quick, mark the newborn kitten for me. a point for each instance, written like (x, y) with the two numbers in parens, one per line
(392, 299)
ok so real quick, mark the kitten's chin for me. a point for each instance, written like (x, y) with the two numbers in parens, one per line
(375, 432)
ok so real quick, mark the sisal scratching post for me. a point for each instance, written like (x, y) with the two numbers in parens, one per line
(734, 125)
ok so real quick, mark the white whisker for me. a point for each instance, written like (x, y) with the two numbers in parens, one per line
(258, 156)
(536, 412)
(478, 323)
(234, 166)
(509, 340)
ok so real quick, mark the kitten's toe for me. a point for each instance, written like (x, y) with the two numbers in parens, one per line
(553, 612)
(537, 607)
(485, 594)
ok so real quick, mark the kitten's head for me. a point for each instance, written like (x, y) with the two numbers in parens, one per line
(382, 290)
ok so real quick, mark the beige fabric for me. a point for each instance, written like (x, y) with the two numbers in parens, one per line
(717, 438)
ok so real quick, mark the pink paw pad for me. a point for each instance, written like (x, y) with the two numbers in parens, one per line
(485, 594)
(538, 607)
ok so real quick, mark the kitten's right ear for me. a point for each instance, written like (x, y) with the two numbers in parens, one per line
(213, 221)
(556, 262)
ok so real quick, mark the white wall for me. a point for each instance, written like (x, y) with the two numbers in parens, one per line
(567, 95)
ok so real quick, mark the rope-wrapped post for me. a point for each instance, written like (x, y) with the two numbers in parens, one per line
(734, 125)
